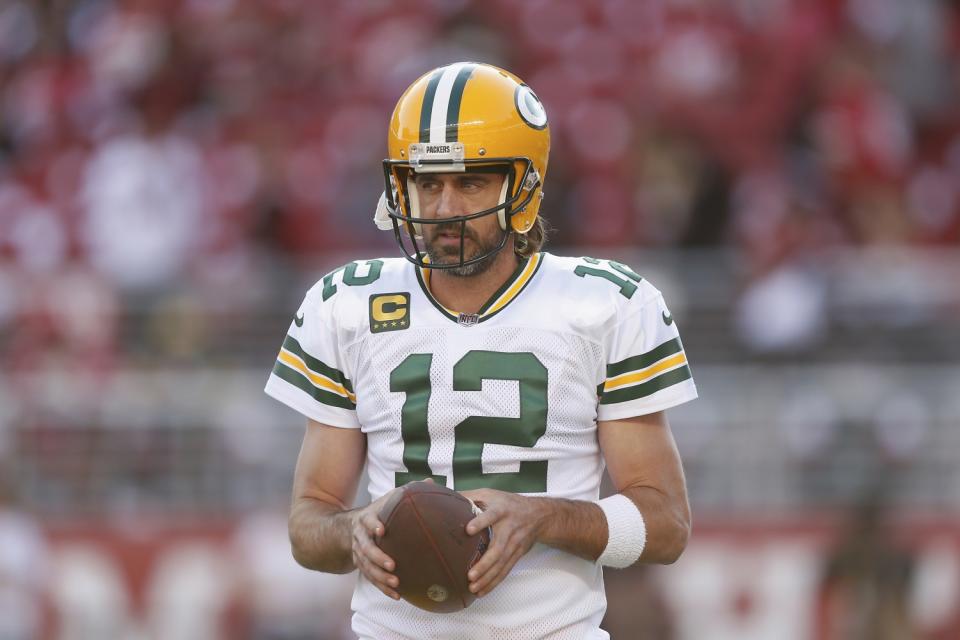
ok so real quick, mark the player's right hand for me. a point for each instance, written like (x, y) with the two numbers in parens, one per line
(368, 557)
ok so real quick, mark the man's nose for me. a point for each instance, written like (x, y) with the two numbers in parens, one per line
(448, 203)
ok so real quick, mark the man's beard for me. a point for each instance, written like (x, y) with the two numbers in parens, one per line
(448, 255)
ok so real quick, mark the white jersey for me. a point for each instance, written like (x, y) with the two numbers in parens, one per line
(508, 399)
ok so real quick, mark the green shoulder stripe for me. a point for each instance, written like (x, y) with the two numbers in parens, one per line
(291, 345)
(648, 388)
(300, 381)
(643, 361)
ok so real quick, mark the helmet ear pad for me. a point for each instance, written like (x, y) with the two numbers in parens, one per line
(504, 190)
(413, 203)
(529, 193)
(519, 178)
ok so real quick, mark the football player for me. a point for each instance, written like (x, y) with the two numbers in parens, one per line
(504, 372)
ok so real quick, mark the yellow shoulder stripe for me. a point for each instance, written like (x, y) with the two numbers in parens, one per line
(294, 362)
(645, 374)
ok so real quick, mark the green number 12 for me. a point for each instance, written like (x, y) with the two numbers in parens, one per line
(412, 377)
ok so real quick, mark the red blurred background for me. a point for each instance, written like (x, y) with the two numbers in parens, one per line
(175, 173)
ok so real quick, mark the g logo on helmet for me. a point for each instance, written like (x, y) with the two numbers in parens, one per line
(530, 108)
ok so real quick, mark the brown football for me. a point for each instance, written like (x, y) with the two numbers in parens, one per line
(425, 534)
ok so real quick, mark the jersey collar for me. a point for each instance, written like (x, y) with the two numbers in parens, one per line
(503, 296)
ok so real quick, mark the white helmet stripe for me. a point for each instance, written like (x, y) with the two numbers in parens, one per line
(441, 102)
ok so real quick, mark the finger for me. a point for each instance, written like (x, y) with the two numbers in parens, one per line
(376, 556)
(491, 558)
(501, 575)
(372, 525)
(366, 546)
(486, 562)
(382, 580)
(373, 563)
(486, 519)
(497, 571)
(477, 496)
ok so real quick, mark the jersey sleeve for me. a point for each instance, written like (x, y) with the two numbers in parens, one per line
(647, 368)
(310, 375)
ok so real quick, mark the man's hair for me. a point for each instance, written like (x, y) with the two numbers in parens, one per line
(529, 243)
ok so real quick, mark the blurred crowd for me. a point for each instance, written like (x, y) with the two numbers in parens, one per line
(150, 140)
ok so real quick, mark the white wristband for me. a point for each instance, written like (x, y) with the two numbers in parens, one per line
(626, 532)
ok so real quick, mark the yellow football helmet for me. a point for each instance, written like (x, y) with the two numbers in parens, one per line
(462, 117)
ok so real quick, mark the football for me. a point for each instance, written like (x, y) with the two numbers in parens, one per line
(425, 534)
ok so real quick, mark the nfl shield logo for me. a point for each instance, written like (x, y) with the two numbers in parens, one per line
(468, 319)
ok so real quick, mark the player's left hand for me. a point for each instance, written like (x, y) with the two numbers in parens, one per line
(516, 521)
